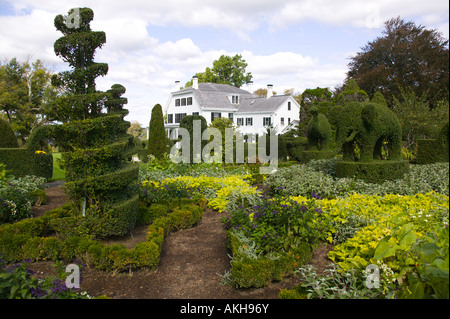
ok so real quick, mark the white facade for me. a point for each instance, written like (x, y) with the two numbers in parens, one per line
(251, 114)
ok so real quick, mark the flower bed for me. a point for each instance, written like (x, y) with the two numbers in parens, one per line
(218, 191)
(405, 237)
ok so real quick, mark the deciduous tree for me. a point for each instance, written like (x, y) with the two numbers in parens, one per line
(407, 56)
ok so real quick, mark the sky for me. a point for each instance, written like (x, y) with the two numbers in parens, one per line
(291, 44)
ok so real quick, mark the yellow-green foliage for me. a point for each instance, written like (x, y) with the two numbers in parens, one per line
(393, 224)
(222, 187)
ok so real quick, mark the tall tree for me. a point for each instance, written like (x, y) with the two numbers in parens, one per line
(157, 140)
(405, 57)
(226, 70)
(95, 146)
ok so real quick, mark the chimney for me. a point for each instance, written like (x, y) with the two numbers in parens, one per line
(177, 86)
(250, 86)
(195, 82)
(269, 90)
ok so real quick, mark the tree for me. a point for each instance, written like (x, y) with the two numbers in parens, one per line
(77, 47)
(95, 146)
(157, 139)
(25, 90)
(418, 119)
(320, 97)
(226, 70)
(187, 122)
(136, 130)
(405, 57)
(263, 92)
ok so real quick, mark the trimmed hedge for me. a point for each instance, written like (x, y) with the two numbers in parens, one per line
(23, 161)
(434, 150)
(374, 171)
(34, 159)
(7, 137)
(31, 238)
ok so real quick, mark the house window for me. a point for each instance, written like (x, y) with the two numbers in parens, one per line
(195, 113)
(189, 101)
(235, 99)
(289, 106)
(240, 121)
(282, 121)
(179, 117)
(183, 101)
(289, 120)
(169, 118)
(177, 102)
(249, 121)
(215, 115)
(267, 121)
(230, 116)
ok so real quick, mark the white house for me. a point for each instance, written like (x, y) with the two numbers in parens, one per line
(250, 113)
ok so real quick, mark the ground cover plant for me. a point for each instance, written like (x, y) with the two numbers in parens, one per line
(406, 237)
(18, 195)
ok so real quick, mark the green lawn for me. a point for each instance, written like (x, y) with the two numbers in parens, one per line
(58, 173)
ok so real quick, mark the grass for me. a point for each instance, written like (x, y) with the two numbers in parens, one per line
(58, 172)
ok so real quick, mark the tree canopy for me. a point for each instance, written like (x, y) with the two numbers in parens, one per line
(226, 70)
(25, 90)
(407, 56)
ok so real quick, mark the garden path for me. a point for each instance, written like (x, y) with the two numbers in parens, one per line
(191, 267)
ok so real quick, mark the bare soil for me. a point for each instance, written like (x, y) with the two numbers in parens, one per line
(191, 267)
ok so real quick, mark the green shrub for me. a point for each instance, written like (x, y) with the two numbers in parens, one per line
(373, 171)
(146, 254)
(7, 137)
(146, 214)
(157, 145)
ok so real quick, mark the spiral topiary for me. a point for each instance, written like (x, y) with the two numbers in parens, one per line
(95, 146)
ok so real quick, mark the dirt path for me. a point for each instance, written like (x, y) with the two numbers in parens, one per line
(192, 263)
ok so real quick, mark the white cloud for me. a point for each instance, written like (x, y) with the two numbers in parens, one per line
(367, 14)
(28, 35)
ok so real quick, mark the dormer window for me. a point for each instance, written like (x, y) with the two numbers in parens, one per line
(235, 99)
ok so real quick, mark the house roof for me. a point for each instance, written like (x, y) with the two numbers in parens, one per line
(261, 104)
(215, 96)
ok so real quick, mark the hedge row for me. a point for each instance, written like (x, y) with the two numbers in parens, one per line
(21, 162)
(34, 159)
(375, 171)
(32, 239)
(250, 270)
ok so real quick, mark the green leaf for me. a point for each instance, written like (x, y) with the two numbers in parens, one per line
(408, 238)
(385, 249)
(415, 291)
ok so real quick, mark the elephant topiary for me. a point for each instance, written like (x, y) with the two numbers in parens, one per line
(318, 131)
(370, 126)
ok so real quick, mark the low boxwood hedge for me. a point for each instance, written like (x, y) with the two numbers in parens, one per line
(45, 238)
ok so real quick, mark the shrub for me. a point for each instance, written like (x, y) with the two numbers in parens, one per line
(157, 145)
(8, 139)
(373, 171)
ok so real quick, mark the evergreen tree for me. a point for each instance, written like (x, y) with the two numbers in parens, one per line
(95, 145)
(157, 140)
